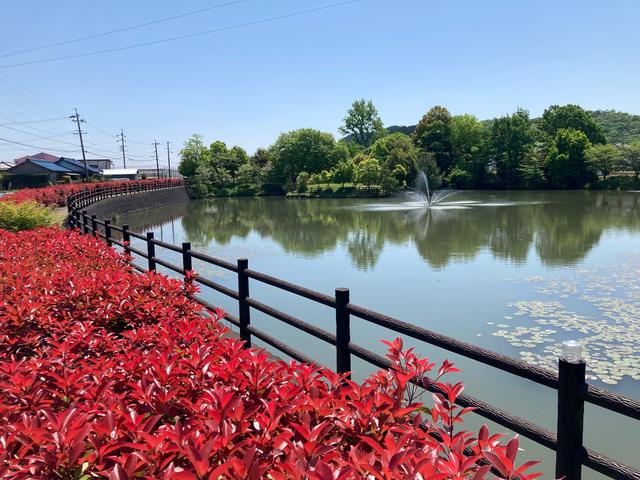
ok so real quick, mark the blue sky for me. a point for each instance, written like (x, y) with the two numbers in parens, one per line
(247, 85)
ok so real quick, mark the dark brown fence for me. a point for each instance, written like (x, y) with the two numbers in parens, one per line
(569, 381)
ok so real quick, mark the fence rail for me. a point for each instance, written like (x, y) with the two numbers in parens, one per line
(570, 383)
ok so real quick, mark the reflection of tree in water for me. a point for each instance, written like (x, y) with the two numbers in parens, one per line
(561, 226)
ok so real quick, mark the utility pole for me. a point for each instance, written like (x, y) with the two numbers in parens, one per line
(76, 118)
(155, 146)
(168, 160)
(122, 137)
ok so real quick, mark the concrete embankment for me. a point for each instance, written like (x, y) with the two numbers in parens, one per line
(134, 202)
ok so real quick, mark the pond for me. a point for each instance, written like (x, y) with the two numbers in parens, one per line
(516, 272)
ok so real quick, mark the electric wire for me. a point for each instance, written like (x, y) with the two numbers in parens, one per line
(183, 37)
(120, 30)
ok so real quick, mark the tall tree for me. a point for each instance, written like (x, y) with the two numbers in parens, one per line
(604, 159)
(571, 117)
(433, 134)
(631, 157)
(566, 163)
(193, 154)
(396, 149)
(363, 123)
(511, 141)
(468, 145)
(305, 150)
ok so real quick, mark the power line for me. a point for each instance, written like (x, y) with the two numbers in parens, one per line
(34, 121)
(182, 37)
(37, 148)
(119, 30)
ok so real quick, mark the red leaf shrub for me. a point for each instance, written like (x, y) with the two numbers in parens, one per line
(57, 195)
(109, 374)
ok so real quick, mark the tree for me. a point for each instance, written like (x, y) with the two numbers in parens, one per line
(193, 154)
(302, 182)
(603, 158)
(631, 157)
(344, 171)
(306, 150)
(396, 149)
(369, 172)
(573, 117)
(246, 180)
(566, 163)
(433, 134)
(468, 144)
(363, 123)
(511, 140)
(531, 170)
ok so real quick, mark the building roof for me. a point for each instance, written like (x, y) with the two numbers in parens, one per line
(47, 157)
(114, 172)
(48, 165)
(5, 166)
(76, 166)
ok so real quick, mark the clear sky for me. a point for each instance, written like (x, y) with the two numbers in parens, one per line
(248, 84)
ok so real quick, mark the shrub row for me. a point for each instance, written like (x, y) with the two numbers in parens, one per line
(109, 374)
(57, 195)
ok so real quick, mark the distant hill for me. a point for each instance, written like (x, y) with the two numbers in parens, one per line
(619, 127)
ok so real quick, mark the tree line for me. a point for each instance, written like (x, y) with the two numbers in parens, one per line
(564, 148)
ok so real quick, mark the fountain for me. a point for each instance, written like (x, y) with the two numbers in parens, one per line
(430, 199)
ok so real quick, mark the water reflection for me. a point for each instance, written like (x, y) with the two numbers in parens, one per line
(560, 227)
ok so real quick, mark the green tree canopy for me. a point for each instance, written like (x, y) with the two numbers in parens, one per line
(433, 134)
(631, 157)
(369, 171)
(573, 117)
(566, 162)
(363, 123)
(604, 159)
(305, 150)
(193, 154)
(396, 149)
(511, 140)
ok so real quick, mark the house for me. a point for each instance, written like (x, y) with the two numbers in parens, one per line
(4, 166)
(121, 174)
(33, 172)
(100, 163)
(75, 166)
(47, 157)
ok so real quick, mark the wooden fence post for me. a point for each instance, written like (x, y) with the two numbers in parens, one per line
(151, 252)
(85, 219)
(187, 261)
(243, 306)
(126, 239)
(107, 232)
(94, 226)
(571, 380)
(343, 332)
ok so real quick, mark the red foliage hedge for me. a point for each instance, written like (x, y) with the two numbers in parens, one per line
(57, 195)
(109, 374)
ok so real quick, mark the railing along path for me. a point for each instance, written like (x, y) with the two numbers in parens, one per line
(569, 382)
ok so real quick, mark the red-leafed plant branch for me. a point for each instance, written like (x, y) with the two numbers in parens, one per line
(109, 374)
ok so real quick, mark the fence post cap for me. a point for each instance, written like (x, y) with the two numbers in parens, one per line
(571, 351)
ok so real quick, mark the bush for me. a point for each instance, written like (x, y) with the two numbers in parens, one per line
(24, 216)
(57, 195)
(110, 374)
